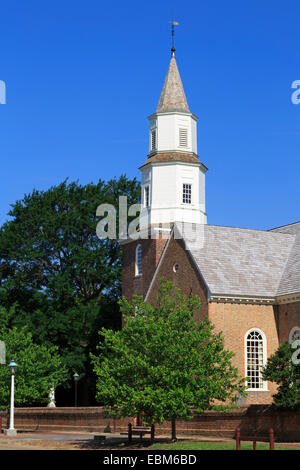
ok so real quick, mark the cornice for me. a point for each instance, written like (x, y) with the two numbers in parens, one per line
(157, 158)
(236, 299)
(288, 298)
(232, 299)
(164, 113)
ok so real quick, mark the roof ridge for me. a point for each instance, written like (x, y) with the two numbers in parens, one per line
(282, 226)
(237, 228)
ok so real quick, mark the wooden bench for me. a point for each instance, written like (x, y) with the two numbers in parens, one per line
(140, 431)
(240, 438)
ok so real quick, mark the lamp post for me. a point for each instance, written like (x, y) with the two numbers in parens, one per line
(76, 378)
(11, 430)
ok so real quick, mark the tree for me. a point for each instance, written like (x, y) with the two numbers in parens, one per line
(283, 368)
(39, 367)
(56, 276)
(163, 363)
(50, 244)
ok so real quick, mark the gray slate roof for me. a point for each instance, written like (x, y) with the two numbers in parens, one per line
(172, 97)
(244, 262)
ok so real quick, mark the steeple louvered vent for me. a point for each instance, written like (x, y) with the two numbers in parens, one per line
(153, 140)
(183, 138)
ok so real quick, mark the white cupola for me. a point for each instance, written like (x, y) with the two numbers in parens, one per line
(173, 126)
(173, 179)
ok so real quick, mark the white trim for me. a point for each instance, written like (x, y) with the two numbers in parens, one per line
(264, 339)
(234, 299)
(146, 189)
(158, 265)
(153, 139)
(175, 267)
(138, 270)
(186, 192)
(288, 298)
(165, 113)
(174, 162)
(218, 298)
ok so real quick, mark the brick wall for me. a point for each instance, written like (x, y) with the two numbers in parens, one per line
(234, 320)
(252, 420)
(288, 317)
(151, 250)
(186, 278)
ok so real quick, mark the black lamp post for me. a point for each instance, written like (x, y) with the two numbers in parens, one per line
(76, 378)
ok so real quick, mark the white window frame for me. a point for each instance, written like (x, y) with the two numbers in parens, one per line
(147, 190)
(138, 263)
(264, 341)
(292, 332)
(182, 194)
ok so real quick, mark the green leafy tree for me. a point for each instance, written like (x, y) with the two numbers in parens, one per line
(283, 368)
(50, 243)
(163, 363)
(39, 367)
(56, 276)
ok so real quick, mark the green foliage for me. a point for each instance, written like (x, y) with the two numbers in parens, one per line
(283, 368)
(39, 367)
(56, 276)
(162, 363)
(51, 243)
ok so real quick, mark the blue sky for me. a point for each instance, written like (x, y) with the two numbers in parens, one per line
(82, 78)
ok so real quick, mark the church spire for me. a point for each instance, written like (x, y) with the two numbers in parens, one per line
(173, 178)
(172, 97)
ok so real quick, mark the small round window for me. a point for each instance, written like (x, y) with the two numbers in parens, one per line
(175, 268)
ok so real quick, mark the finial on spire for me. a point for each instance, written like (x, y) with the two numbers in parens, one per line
(173, 23)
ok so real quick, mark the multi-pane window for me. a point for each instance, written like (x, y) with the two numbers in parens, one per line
(183, 138)
(138, 260)
(255, 359)
(153, 140)
(187, 193)
(147, 196)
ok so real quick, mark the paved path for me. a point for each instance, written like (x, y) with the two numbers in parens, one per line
(85, 441)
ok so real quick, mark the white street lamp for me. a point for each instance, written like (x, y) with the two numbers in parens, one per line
(11, 431)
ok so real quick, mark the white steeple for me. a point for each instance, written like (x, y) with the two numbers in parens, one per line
(173, 179)
(173, 127)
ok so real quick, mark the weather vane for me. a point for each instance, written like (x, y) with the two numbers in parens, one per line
(173, 23)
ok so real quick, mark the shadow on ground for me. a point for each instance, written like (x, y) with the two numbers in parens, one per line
(116, 444)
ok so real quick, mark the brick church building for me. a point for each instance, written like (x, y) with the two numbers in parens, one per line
(248, 280)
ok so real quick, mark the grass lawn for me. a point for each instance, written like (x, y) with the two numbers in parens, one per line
(194, 445)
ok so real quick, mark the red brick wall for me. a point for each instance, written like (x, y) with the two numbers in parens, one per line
(251, 420)
(186, 278)
(288, 317)
(234, 320)
(151, 249)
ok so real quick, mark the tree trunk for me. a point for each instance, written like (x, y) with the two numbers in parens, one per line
(173, 422)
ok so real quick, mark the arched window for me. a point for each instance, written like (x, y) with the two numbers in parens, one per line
(138, 260)
(294, 334)
(255, 358)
